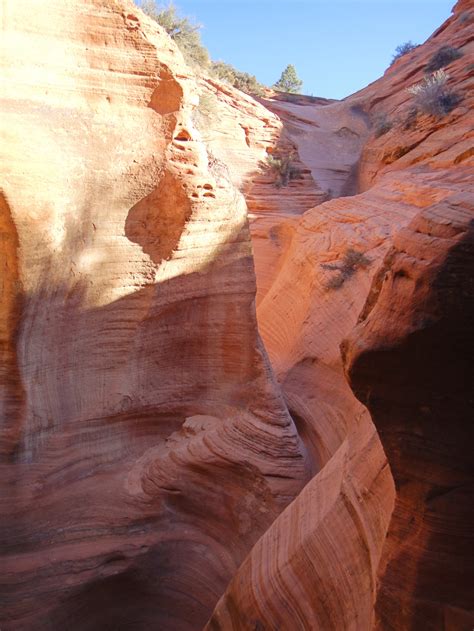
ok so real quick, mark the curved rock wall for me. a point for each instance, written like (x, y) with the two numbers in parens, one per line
(410, 361)
(308, 302)
(148, 447)
(145, 446)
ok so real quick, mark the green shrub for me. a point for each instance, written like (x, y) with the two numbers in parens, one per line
(240, 80)
(181, 29)
(351, 262)
(432, 96)
(443, 57)
(402, 49)
(248, 84)
(289, 81)
(283, 168)
(223, 71)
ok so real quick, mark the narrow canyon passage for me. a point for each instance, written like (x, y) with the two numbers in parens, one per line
(328, 137)
(302, 324)
(212, 310)
(304, 315)
(300, 335)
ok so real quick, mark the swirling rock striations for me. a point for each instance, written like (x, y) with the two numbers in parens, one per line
(410, 361)
(145, 446)
(317, 567)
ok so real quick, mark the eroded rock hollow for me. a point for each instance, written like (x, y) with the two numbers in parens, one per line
(182, 444)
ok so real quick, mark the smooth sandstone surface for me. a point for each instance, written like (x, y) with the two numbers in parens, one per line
(145, 446)
(331, 574)
(150, 448)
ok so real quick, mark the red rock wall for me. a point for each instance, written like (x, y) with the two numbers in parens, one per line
(292, 577)
(410, 361)
(145, 446)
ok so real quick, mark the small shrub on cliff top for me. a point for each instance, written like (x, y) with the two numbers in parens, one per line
(351, 262)
(181, 29)
(432, 96)
(248, 83)
(240, 80)
(186, 34)
(443, 57)
(402, 49)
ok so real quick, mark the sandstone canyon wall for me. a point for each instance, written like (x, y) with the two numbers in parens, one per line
(409, 360)
(318, 566)
(145, 446)
(153, 455)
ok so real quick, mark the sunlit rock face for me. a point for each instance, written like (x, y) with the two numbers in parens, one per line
(325, 561)
(145, 446)
(150, 449)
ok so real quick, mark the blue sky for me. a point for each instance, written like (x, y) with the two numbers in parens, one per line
(337, 46)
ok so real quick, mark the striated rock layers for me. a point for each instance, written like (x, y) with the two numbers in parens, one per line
(323, 561)
(153, 457)
(145, 446)
(410, 361)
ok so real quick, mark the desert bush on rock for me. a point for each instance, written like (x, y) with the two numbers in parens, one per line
(248, 84)
(443, 57)
(283, 168)
(186, 34)
(402, 49)
(181, 29)
(223, 71)
(240, 80)
(351, 262)
(432, 96)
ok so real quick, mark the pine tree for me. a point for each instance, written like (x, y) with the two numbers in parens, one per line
(289, 81)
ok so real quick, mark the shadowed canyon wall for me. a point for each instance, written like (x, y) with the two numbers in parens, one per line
(180, 446)
(409, 360)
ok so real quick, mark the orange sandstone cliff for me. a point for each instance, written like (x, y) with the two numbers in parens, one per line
(322, 564)
(181, 446)
(145, 444)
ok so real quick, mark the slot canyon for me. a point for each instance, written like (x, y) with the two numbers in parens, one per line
(229, 401)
